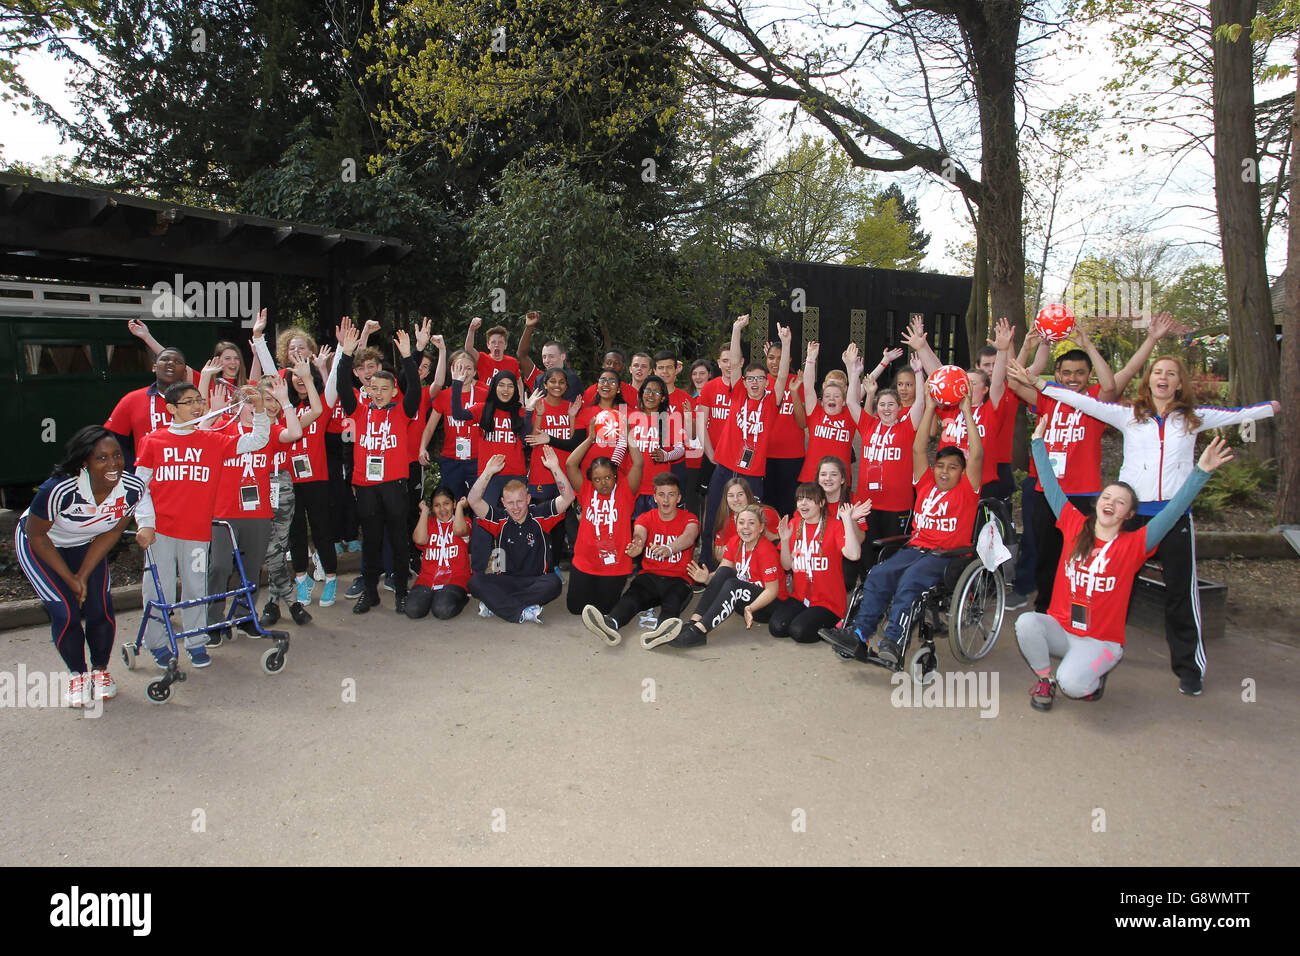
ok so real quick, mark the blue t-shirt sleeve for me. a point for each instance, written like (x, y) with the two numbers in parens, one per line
(40, 506)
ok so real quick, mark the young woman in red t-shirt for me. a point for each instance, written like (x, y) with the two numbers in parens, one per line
(813, 547)
(832, 421)
(736, 495)
(658, 434)
(833, 479)
(442, 535)
(602, 553)
(749, 578)
(1094, 580)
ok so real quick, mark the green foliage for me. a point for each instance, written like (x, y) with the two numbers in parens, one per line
(33, 25)
(1235, 485)
(882, 238)
(813, 200)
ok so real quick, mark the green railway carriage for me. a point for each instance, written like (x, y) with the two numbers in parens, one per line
(66, 358)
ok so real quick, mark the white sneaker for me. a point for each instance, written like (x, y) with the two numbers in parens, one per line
(102, 683)
(79, 690)
(483, 610)
(318, 570)
(531, 614)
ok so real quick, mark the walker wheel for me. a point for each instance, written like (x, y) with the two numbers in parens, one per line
(229, 635)
(128, 656)
(273, 661)
(158, 691)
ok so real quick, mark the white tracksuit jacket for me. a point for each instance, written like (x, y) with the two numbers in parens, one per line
(1159, 454)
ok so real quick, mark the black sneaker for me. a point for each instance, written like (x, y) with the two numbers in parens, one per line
(1191, 686)
(215, 638)
(399, 604)
(692, 635)
(356, 589)
(270, 614)
(602, 625)
(388, 583)
(299, 614)
(366, 602)
(888, 651)
(1096, 694)
(841, 638)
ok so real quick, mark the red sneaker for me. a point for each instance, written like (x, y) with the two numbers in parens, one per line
(1043, 694)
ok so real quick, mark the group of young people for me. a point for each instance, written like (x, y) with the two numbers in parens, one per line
(758, 485)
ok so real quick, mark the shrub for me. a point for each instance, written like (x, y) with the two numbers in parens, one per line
(1236, 484)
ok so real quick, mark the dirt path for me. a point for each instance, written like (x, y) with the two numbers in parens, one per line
(457, 727)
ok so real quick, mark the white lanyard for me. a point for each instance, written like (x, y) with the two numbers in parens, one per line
(931, 502)
(807, 550)
(613, 512)
(1098, 558)
(885, 442)
(444, 542)
(744, 421)
(743, 561)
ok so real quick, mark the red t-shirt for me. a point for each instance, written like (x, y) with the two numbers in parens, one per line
(828, 435)
(445, 557)
(728, 533)
(787, 436)
(817, 573)
(459, 439)
(760, 566)
(1006, 429)
(716, 397)
(244, 488)
(748, 432)
(988, 419)
(487, 366)
(553, 420)
(416, 430)
(598, 449)
(943, 519)
(186, 474)
(661, 532)
(648, 432)
(306, 459)
(141, 412)
(1073, 442)
(381, 435)
(604, 530)
(1101, 585)
(337, 418)
(501, 440)
(885, 472)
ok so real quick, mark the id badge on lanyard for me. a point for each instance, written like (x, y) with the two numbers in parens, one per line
(250, 499)
(1057, 459)
(275, 494)
(462, 448)
(1081, 603)
(301, 466)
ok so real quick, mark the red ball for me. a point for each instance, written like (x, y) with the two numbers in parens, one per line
(948, 385)
(606, 427)
(1054, 322)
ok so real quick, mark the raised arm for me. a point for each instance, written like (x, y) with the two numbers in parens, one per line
(316, 409)
(850, 515)
(410, 397)
(420, 536)
(573, 467)
(141, 331)
(809, 377)
(292, 430)
(263, 360)
(921, 444)
(887, 358)
(1114, 415)
(1025, 385)
(490, 470)
(783, 367)
(1105, 377)
(914, 338)
(975, 451)
(1223, 417)
(918, 406)
(523, 353)
(1051, 487)
(737, 369)
(853, 398)
(440, 371)
(1004, 337)
(562, 483)
(474, 323)
(1161, 325)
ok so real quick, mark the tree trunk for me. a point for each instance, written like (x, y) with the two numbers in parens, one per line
(977, 310)
(993, 32)
(1287, 425)
(1253, 355)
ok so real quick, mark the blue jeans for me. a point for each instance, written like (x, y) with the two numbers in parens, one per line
(902, 579)
(457, 474)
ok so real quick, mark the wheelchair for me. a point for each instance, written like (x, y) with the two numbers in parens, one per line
(969, 603)
(242, 614)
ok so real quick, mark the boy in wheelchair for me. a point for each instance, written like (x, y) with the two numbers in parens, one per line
(947, 500)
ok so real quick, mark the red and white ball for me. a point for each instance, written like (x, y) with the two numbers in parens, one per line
(606, 425)
(948, 385)
(1054, 322)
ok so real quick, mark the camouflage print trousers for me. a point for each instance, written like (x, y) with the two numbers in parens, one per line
(278, 571)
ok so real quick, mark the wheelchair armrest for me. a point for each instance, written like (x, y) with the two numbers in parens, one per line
(894, 540)
(965, 552)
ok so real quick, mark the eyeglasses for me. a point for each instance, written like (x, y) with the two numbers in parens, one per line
(189, 401)
(756, 379)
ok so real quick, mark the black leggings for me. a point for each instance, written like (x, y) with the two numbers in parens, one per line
(652, 590)
(725, 595)
(791, 619)
(311, 503)
(601, 590)
(446, 602)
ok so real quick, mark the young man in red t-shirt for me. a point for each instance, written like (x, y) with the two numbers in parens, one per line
(744, 439)
(494, 359)
(947, 499)
(381, 468)
(144, 410)
(664, 539)
(180, 466)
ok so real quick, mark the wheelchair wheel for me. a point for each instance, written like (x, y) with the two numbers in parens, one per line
(923, 666)
(975, 612)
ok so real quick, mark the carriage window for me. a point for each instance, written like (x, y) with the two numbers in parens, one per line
(55, 359)
(130, 358)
